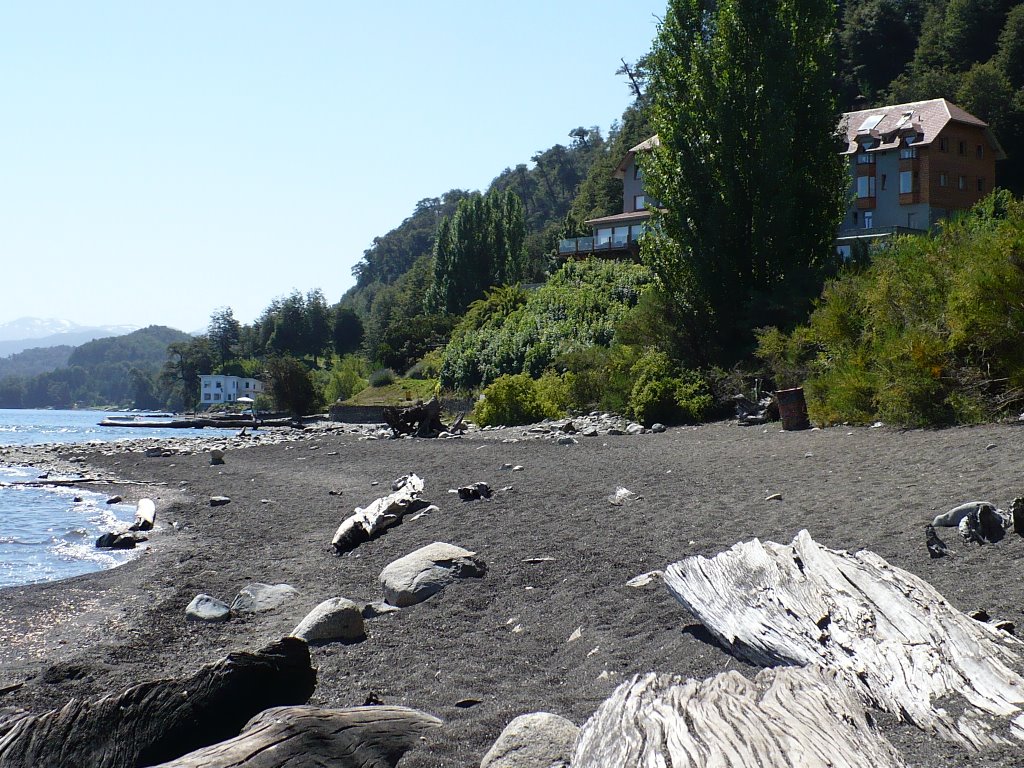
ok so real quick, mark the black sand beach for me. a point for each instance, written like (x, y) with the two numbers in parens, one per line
(504, 639)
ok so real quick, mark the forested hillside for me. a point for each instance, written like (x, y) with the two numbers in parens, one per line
(32, 362)
(115, 371)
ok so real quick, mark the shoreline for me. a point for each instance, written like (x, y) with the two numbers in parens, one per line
(504, 639)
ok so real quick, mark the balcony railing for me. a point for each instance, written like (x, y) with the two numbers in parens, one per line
(618, 241)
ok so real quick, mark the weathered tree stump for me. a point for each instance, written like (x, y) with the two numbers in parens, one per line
(889, 636)
(161, 720)
(383, 513)
(784, 717)
(359, 737)
(421, 420)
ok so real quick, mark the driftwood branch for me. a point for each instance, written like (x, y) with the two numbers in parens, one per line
(784, 717)
(360, 737)
(383, 513)
(158, 721)
(889, 636)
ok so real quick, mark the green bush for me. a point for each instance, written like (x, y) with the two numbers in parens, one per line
(514, 400)
(664, 392)
(427, 367)
(928, 334)
(382, 377)
(346, 378)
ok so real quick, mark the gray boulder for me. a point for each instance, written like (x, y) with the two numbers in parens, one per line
(334, 620)
(537, 740)
(425, 572)
(257, 597)
(206, 608)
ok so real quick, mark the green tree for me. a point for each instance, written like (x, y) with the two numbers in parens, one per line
(291, 385)
(224, 333)
(479, 247)
(180, 374)
(346, 331)
(747, 170)
(319, 325)
(1010, 56)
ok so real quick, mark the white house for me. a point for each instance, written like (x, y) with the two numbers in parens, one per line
(219, 388)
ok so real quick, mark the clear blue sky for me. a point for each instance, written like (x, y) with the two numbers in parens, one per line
(160, 160)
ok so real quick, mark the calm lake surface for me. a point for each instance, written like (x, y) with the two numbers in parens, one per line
(44, 533)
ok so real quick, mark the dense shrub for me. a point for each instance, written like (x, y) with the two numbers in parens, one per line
(664, 392)
(513, 400)
(427, 367)
(346, 377)
(929, 334)
(291, 386)
(578, 307)
(382, 377)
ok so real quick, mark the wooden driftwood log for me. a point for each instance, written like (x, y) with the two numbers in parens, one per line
(422, 420)
(383, 513)
(360, 737)
(158, 721)
(888, 635)
(784, 717)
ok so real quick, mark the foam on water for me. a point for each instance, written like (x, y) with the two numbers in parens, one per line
(45, 534)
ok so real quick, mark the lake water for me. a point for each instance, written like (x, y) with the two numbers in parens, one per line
(45, 534)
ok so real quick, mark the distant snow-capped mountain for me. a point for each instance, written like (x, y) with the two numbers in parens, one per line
(29, 332)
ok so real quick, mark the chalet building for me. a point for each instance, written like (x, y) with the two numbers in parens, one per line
(910, 166)
(215, 389)
(617, 235)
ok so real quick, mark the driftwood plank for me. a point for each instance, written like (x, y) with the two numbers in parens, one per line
(383, 513)
(889, 636)
(784, 718)
(157, 721)
(359, 737)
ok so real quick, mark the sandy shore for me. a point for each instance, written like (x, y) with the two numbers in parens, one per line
(503, 639)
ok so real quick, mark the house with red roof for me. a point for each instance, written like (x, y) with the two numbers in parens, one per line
(911, 165)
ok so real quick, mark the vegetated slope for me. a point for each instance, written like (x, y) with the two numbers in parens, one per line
(114, 371)
(32, 362)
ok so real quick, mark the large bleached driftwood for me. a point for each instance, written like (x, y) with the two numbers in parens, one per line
(383, 513)
(889, 636)
(785, 717)
(158, 721)
(283, 737)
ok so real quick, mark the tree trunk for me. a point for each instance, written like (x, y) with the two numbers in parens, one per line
(888, 636)
(157, 721)
(782, 718)
(360, 737)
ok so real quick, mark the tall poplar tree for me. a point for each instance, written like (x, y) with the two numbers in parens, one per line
(480, 246)
(747, 176)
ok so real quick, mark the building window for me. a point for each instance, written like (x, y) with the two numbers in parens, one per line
(865, 159)
(981, 184)
(206, 396)
(639, 203)
(219, 385)
(865, 186)
(943, 180)
(869, 219)
(962, 147)
(908, 153)
(883, 182)
(906, 182)
(962, 182)
(604, 236)
(854, 218)
(206, 385)
(943, 144)
(216, 395)
(980, 151)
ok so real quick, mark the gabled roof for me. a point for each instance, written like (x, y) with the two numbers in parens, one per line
(916, 122)
(620, 172)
